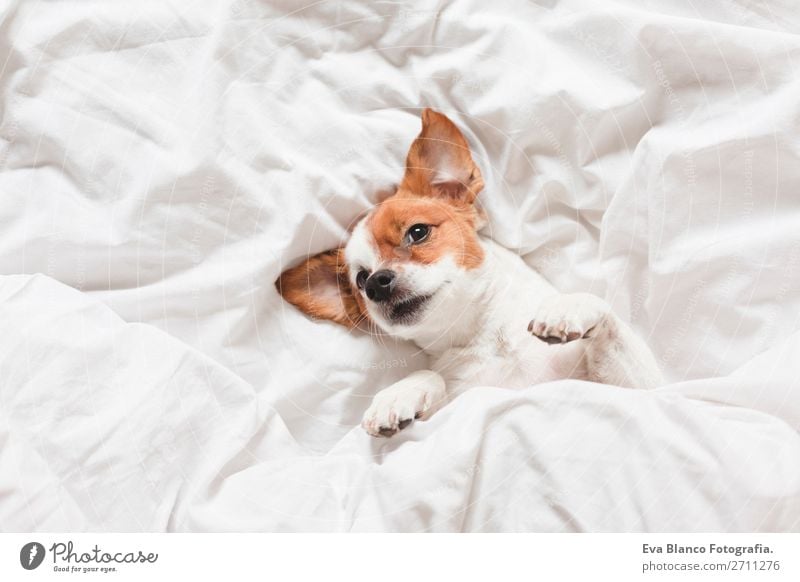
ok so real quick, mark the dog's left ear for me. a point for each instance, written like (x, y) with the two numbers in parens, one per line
(320, 287)
(439, 162)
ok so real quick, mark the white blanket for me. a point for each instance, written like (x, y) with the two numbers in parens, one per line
(162, 162)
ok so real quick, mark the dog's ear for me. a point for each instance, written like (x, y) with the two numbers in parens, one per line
(439, 162)
(320, 287)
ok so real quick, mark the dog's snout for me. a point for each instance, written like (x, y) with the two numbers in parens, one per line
(380, 285)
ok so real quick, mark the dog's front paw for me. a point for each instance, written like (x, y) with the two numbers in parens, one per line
(397, 406)
(565, 318)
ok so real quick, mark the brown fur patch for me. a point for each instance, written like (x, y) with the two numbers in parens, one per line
(453, 230)
(440, 145)
(320, 287)
(423, 198)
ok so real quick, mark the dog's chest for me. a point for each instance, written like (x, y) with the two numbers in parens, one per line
(501, 352)
(510, 358)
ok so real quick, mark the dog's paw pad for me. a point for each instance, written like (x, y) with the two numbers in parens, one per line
(396, 407)
(392, 411)
(387, 431)
(549, 339)
(383, 421)
(565, 318)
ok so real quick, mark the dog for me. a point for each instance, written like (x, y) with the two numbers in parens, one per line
(415, 267)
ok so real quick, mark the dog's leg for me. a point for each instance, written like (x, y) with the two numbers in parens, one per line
(394, 408)
(614, 353)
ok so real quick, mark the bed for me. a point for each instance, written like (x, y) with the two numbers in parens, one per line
(162, 162)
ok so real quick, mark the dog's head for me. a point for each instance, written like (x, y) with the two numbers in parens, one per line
(409, 258)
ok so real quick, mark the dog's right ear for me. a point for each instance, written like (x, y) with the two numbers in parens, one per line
(439, 162)
(320, 287)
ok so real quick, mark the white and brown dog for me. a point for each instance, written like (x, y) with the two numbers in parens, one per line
(416, 268)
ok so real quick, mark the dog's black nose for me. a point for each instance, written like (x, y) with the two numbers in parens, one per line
(380, 285)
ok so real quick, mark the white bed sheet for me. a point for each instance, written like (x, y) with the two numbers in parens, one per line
(162, 163)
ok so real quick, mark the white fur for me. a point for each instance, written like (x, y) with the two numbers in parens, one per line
(415, 396)
(475, 328)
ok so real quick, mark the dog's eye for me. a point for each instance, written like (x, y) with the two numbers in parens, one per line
(361, 278)
(418, 233)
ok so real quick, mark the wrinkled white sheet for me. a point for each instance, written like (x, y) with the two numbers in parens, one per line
(162, 162)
